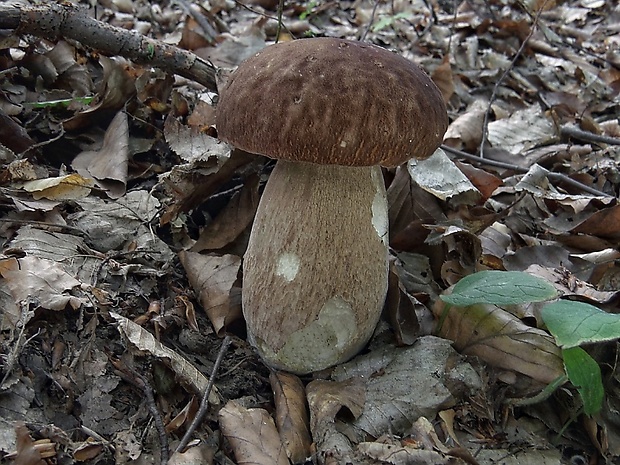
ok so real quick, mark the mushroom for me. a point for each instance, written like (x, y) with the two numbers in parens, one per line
(331, 111)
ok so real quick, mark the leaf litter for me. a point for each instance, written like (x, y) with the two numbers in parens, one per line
(123, 213)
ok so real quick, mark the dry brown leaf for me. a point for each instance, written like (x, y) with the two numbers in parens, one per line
(187, 413)
(522, 130)
(108, 165)
(40, 281)
(202, 454)
(484, 181)
(27, 453)
(252, 435)
(213, 278)
(233, 220)
(406, 383)
(443, 79)
(193, 145)
(404, 455)
(501, 340)
(69, 187)
(326, 399)
(570, 285)
(118, 86)
(439, 176)
(291, 415)
(465, 132)
(185, 371)
(604, 223)
(400, 310)
(410, 207)
(88, 450)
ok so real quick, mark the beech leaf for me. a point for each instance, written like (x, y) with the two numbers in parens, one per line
(585, 374)
(575, 323)
(500, 288)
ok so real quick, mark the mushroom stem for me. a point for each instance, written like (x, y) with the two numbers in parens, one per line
(315, 271)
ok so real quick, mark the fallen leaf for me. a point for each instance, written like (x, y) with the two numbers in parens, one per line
(500, 339)
(185, 371)
(108, 165)
(213, 278)
(252, 435)
(69, 187)
(291, 415)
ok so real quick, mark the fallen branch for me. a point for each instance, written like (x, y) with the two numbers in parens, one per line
(54, 21)
(557, 177)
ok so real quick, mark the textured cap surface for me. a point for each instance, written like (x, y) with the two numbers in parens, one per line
(332, 101)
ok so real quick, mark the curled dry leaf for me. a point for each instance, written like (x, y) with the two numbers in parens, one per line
(108, 165)
(213, 279)
(185, 371)
(326, 399)
(501, 340)
(198, 455)
(439, 175)
(252, 435)
(233, 220)
(400, 309)
(571, 286)
(118, 87)
(291, 415)
(69, 187)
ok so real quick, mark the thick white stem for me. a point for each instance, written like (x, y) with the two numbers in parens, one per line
(315, 272)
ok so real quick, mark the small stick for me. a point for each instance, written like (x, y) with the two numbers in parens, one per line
(485, 124)
(586, 136)
(132, 376)
(509, 166)
(204, 403)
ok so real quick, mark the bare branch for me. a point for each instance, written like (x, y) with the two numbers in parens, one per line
(53, 21)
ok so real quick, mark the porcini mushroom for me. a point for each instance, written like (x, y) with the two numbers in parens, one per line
(331, 111)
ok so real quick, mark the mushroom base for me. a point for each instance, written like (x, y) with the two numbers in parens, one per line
(315, 272)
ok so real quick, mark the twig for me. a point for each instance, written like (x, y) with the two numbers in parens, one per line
(204, 403)
(263, 14)
(190, 9)
(135, 378)
(280, 13)
(11, 358)
(164, 450)
(372, 19)
(485, 124)
(52, 21)
(558, 177)
(580, 134)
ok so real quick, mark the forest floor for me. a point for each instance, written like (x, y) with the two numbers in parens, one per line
(124, 222)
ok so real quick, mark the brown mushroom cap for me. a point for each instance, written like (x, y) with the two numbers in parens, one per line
(332, 101)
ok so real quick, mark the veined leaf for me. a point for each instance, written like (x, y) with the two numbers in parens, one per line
(500, 288)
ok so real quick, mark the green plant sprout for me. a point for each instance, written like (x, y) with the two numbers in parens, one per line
(387, 21)
(570, 323)
(308, 11)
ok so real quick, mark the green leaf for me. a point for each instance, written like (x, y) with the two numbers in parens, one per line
(585, 374)
(386, 21)
(500, 288)
(576, 323)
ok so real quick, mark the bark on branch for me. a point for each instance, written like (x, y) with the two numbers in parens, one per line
(53, 21)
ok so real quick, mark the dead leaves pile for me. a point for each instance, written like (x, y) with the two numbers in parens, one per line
(124, 217)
